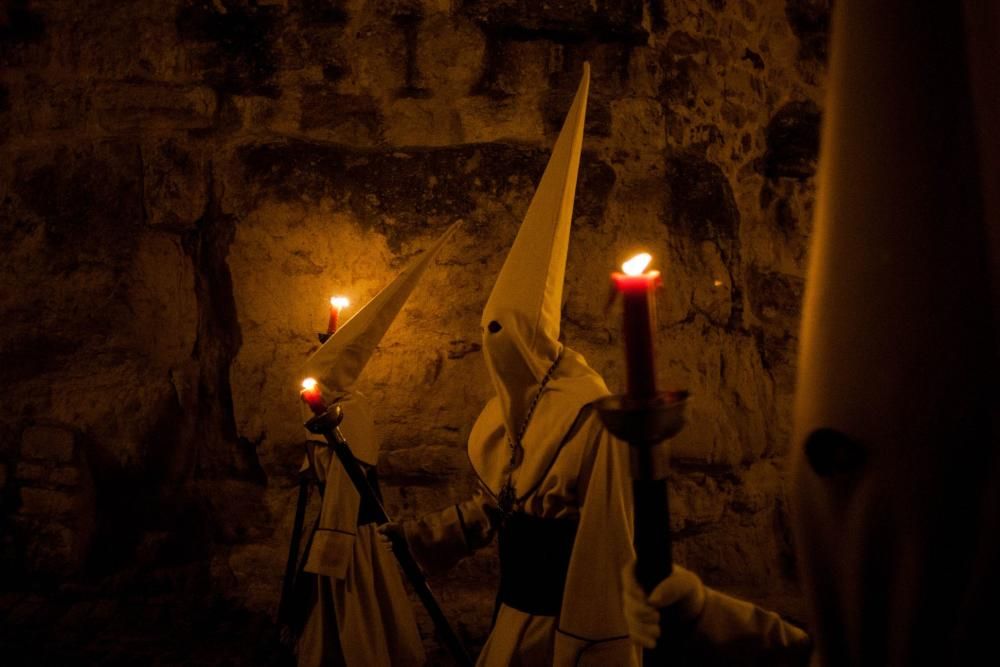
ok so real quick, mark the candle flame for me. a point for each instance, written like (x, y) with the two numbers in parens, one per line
(636, 265)
(309, 384)
(339, 302)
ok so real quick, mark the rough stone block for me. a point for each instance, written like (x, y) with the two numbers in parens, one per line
(86, 197)
(449, 58)
(561, 20)
(21, 34)
(776, 299)
(65, 476)
(409, 186)
(54, 548)
(810, 21)
(175, 184)
(324, 108)
(133, 106)
(701, 206)
(48, 443)
(238, 53)
(421, 465)
(32, 472)
(35, 105)
(324, 11)
(792, 141)
(46, 502)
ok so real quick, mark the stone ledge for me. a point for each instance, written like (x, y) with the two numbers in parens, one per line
(48, 443)
(561, 20)
(47, 502)
(46, 475)
(409, 185)
(131, 106)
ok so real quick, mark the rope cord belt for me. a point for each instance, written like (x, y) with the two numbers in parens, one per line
(508, 495)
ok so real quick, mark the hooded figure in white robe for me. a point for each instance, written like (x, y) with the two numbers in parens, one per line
(895, 447)
(895, 452)
(361, 614)
(554, 484)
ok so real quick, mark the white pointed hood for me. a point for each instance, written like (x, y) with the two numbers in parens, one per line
(894, 441)
(338, 363)
(521, 319)
(528, 291)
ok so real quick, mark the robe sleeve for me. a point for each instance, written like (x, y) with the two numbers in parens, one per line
(592, 628)
(332, 546)
(729, 631)
(440, 539)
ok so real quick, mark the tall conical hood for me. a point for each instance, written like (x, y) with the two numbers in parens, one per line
(339, 362)
(892, 442)
(530, 283)
(521, 318)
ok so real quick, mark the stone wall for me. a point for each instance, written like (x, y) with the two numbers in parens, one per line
(185, 183)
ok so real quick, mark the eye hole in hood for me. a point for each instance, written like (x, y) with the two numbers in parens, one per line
(493, 327)
(831, 453)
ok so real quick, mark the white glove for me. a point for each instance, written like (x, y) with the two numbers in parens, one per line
(389, 532)
(642, 615)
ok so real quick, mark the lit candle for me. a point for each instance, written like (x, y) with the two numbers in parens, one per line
(312, 395)
(337, 304)
(636, 285)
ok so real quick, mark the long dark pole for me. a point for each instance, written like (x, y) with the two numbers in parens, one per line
(644, 424)
(284, 606)
(653, 544)
(327, 425)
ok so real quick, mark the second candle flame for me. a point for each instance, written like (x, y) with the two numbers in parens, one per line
(339, 302)
(309, 384)
(636, 265)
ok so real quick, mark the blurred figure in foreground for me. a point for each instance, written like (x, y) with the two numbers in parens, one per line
(896, 464)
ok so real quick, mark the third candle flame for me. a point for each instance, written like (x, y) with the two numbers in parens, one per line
(636, 265)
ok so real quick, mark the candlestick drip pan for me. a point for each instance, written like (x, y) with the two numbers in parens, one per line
(643, 421)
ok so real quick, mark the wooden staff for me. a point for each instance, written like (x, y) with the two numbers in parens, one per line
(644, 424)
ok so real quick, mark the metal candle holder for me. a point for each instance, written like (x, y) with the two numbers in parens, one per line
(644, 423)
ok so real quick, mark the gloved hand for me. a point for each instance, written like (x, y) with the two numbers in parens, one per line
(389, 533)
(682, 588)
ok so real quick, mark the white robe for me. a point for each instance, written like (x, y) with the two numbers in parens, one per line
(362, 614)
(729, 632)
(572, 468)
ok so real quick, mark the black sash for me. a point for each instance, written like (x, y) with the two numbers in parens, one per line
(534, 560)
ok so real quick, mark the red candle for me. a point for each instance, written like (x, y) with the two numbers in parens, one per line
(312, 395)
(337, 304)
(636, 286)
